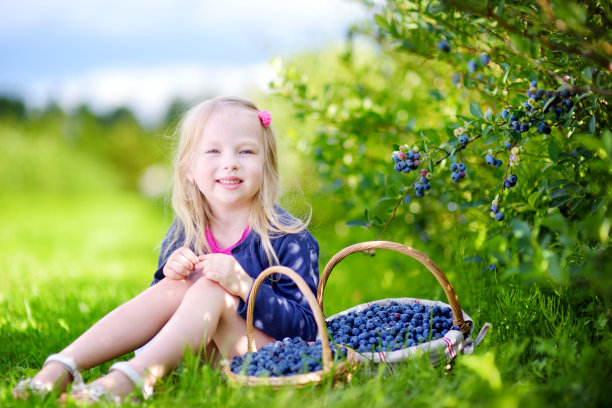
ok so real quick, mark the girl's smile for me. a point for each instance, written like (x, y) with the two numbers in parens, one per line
(230, 182)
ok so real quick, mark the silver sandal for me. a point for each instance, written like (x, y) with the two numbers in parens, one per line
(30, 386)
(97, 393)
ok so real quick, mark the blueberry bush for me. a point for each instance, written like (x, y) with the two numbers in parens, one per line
(479, 132)
(495, 115)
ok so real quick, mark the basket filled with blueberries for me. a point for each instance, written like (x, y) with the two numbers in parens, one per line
(389, 331)
(291, 361)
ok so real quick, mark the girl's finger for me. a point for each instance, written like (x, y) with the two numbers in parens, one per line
(212, 276)
(189, 255)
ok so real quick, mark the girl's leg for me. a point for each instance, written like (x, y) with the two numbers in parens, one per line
(126, 328)
(206, 315)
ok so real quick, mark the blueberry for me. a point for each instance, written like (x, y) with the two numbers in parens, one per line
(484, 59)
(499, 216)
(472, 65)
(461, 166)
(504, 114)
(497, 163)
(453, 167)
(463, 139)
(444, 46)
(489, 159)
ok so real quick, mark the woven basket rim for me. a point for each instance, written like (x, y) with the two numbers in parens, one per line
(451, 296)
(332, 368)
(453, 336)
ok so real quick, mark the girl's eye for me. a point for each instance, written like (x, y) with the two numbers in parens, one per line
(247, 151)
(212, 151)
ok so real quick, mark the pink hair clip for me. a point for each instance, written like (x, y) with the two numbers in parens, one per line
(265, 117)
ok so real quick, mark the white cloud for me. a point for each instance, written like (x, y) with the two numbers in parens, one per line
(148, 91)
(75, 52)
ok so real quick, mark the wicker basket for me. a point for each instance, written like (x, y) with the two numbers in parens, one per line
(444, 348)
(339, 370)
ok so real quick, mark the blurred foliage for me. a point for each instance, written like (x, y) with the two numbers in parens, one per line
(37, 140)
(418, 71)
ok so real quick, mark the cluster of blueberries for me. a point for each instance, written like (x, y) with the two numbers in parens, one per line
(510, 181)
(406, 159)
(283, 358)
(561, 102)
(422, 184)
(458, 171)
(392, 327)
(484, 59)
(496, 213)
(492, 160)
(562, 99)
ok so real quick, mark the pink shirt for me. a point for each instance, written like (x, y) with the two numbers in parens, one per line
(214, 247)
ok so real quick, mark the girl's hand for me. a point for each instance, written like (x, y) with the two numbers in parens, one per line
(180, 264)
(227, 272)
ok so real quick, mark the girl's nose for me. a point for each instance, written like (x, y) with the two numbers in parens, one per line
(230, 162)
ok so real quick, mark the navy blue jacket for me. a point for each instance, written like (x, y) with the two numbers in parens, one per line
(280, 308)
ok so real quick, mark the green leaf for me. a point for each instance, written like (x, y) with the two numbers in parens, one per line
(560, 201)
(559, 193)
(533, 197)
(520, 229)
(592, 124)
(491, 139)
(475, 110)
(436, 95)
(506, 69)
(355, 223)
(553, 151)
(486, 130)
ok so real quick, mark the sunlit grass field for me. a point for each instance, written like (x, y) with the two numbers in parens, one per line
(74, 243)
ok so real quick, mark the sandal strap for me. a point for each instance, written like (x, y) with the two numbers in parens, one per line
(69, 364)
(133, 375)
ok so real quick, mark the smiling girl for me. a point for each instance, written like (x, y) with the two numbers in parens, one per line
(227, 229)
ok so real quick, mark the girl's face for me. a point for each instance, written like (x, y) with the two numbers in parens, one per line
(229, 162)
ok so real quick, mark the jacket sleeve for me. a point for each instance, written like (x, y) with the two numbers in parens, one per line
(280, 308)
(166, 250)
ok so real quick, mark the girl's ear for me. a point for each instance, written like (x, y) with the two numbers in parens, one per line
(189, 174)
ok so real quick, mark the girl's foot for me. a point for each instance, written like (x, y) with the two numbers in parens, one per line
(114, 386)
(55, 375)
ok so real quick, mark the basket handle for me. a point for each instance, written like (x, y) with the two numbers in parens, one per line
(312, 302)
(406, 250)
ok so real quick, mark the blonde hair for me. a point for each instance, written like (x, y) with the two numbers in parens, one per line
(190, 206)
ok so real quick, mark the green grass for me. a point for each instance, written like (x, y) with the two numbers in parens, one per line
(69, 254)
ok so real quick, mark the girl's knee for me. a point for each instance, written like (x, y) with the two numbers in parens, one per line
(170, 290)
(213, 289)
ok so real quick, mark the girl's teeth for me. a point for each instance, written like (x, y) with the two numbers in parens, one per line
(229, 181)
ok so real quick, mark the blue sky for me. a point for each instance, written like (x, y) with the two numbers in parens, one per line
(144, 53)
